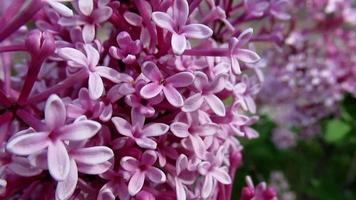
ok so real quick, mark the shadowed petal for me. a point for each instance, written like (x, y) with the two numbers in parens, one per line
(93, 56)
(180, 12)
(155, 129)
(198, 145)
(151, 90)
(173, 96)
(92, 155)
(180, 129)
(198, 31)
(122, 126)
(73, 55)
(149, 157)
(193, 103)
(207, 186)
(96, 86)
(58, 160)
(112, 74)
(244, 37)
(182, 79)
(22, 167)
(151, 71)
(136, 183)
(180, 191)
(55, 112)
(221, 175)
(29, 143)
(156, 175)
(102, 14)
(215, 104)
(94, 169)
(163, 20)
(129, 163)
(80, 130)
(66, 188)
(247, 56)
(145, 142)
(179, 43)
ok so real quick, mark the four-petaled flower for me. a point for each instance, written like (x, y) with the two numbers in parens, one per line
(141, 169)
(175, 22)
(53, 138)
(90, 60)
(168, 85)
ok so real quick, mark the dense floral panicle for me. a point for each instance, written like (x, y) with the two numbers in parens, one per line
(105, 99)
(312, 71)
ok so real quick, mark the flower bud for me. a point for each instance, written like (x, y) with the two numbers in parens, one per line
(40, 43)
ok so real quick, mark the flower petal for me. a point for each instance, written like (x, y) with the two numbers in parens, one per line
(60, 8)
(58, 160)
(136, 183)
(93, 55)
(163, 20)
(206, 129)
(198, 145)
(80, 130)
(94, 169)
(122, 126)
(155, 129)
(129, 163)
(244, 37)
(151, 90)
(180, 191)
(247, 56)
(180, 129)
(146, 143)
(207, 186)
(151, 71)
(66, 188)
(22, 167)
(221, 175)
(198, 31)
(181, 79)
(215, 104)
(156, 175)
(29, 143)
(173, 96)
(149, 157)
(96, 86)
(88, 33)
(112, 74)
(179, 43)
(180, 12)
(133, 18)
(73, 55)
(86, 6)
(55, 112)
(193, 103)
(92, 155)
(102, 14)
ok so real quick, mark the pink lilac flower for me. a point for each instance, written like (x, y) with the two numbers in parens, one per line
(90, 60)
(175, 23)
(141, 169)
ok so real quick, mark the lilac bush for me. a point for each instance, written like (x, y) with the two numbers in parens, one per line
(139, 99)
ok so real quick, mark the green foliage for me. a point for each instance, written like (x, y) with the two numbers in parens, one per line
(322, 168)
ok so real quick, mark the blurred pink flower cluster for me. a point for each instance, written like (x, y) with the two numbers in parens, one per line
(136, 99)
(312, 70)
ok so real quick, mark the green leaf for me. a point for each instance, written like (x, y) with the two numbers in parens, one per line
(336, 130)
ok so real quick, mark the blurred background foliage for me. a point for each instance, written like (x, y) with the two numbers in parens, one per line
(320, 168)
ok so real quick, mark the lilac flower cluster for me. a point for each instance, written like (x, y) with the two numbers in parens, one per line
(138, 99)
(311, 70)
